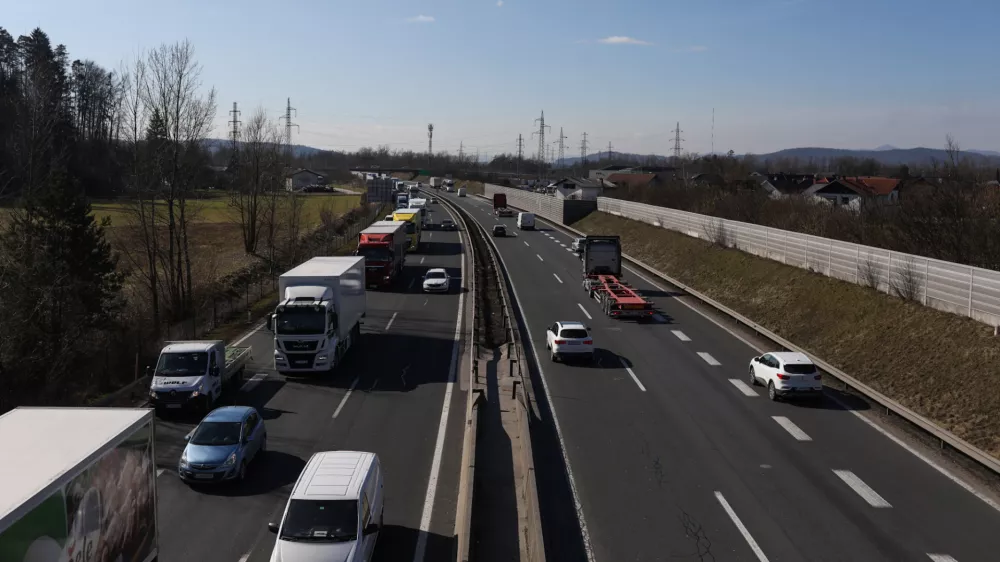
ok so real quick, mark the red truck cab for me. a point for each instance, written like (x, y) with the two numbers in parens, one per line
(383, 244)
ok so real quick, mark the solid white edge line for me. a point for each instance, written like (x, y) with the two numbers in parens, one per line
(584, 310)
(791, 428)
(941, 558)
(744, 387)
(253, 382)
(864, 490)
(247, 335)
(557, 278)
(742, 528)
(709, 359)
(680, 335)
(906, 446)
(631, 373)
(391, 320)
(346, 396)
(245, 557)
(578, 506)
(432, 481)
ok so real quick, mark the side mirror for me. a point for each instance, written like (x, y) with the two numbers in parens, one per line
(273, 527)
(214, 372)
(188, 436)
(757, 359)
(371, 529)
(149, 370)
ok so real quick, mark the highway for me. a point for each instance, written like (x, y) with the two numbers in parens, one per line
(674, 456)
(388, 397)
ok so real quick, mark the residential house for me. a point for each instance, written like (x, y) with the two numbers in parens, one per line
(634, 181)
(854, 191)
(302, 178)
(779, 186)
(604, 172)
(708, 178)
(577, 188)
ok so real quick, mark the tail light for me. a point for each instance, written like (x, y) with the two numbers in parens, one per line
(818, 377)
(783, 377)
(559, 342)
(588, 342)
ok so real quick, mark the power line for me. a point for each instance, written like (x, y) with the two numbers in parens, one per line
(583, 149)
(562, 146)
(234, 134)
(541, 136)
(609, 150)
(461, 151)
(677, 142)
(288, 124)
(430, 140)
(520, 151)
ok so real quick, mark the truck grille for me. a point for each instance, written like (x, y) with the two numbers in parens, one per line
(301, 360)
(204, 466)
(173, 396)
(301, 345)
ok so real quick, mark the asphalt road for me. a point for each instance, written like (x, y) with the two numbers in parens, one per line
(677, 458)
(388, 397)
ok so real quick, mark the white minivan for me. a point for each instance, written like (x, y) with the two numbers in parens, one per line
(334, 512)
(526, 221)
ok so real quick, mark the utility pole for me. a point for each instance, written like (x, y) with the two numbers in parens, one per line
(677, 142)
(583, 149)
(288, 125)
(562, 146)
(713, 131)
(461, 152)
(430, 141)
(520, 152)
(234, 133)
(609, 150)
(541, 136)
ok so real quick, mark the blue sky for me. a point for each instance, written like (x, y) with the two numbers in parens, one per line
(779, 73)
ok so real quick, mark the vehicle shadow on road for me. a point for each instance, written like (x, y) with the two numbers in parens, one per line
(440, 248)
(396, 542)
(832, 399)
(270, 471)
(603, 359)
(656, 293)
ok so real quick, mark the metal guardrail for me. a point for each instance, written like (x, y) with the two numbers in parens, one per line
(943, 436)
(948, 286)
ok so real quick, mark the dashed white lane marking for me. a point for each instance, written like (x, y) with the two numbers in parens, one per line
(422, 259)
(539, 258)
(742, 528)
(631, 373)
(557, 278)
(245, 557)
(862, 489)
(526, 244)
(791, 428)
(680, 335)
(708, 359)
(587, 314)
(569, 249)
(391, 320)
(160, 471)
(744, 387)
(941, 558)
(346, 396)
(561, 244)
(252, 382)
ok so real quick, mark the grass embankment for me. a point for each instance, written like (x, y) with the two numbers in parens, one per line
(940, 365)
(471, 187)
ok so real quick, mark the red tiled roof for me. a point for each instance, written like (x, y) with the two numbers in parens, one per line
(872, 185)
(631, 180)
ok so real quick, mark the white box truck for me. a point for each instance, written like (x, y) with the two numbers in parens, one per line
(193, 374)
(319, 315)
(436, 183)
(79, 484)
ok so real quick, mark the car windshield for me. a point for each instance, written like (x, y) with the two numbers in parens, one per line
(410, 227)
(216, 433)
(183, 364)
(300, 321)
(573, 333)
(436, 275)
(320, 521)
(448, 222)
(800, 368)
(375, 254)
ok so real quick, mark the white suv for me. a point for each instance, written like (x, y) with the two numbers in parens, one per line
(564, 339)
(578, 245)
(786, 373)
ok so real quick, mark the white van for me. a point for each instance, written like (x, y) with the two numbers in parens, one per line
(461, 192)
(526, 221)
(335, 510)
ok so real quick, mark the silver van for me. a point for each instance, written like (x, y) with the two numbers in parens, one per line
(334, 511)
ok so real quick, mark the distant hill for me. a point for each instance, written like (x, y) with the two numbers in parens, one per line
(618, 157)
(298, 150)
(886, 155)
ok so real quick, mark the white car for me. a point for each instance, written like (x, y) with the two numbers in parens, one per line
(578, 245)
(566, 339)
(437, 281)
(786, 373)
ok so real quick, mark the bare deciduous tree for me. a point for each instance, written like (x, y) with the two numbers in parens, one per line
(259, 166)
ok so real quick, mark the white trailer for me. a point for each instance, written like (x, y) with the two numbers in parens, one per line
(319, 315)
(193, 374)
(436, 183)
(80, 484)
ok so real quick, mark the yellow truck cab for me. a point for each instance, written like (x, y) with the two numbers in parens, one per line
(413, 223)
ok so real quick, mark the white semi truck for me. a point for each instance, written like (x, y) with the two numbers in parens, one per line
(80, 484)
(193, 374)
(319, 315)
(436, 183)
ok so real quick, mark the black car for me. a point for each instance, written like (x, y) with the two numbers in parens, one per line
(499, 230)
(448, 224)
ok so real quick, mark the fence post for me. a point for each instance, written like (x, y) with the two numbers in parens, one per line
(972, 280)
(766, 252)
(784, 249)
(857, 265)
(829, 260)
(808, 263)
(926, 279)
(888, 274)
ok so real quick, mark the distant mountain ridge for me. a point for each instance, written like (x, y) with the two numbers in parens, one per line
(298, 150)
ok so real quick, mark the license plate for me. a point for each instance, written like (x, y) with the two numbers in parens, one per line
(633, 307)
(301, 362)
(573, 343)
(173, 405)
(204, 476)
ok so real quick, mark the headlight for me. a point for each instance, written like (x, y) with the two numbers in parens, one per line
(321, 358)
(184, 457)
(230, 461)
(195, 394)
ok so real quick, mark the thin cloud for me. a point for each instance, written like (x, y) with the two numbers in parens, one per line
(621, 40)
(421, 19)
(499, 3)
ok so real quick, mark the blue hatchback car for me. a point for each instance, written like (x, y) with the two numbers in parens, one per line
(222, 445)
